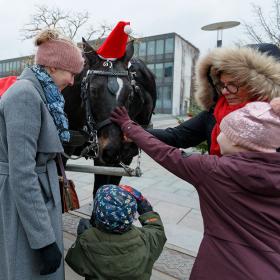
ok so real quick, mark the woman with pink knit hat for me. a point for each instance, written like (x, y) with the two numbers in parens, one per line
(239, 192)
(32, 129)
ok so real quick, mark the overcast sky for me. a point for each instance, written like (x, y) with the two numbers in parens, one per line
(147, 17)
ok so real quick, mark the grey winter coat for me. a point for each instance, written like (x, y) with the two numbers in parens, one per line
(30, 208)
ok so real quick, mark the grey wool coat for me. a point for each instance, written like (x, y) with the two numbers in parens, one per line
(30, 207)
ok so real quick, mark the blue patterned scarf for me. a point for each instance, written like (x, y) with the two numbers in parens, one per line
(55, 101)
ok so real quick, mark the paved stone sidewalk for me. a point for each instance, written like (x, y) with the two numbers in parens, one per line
(175, 200)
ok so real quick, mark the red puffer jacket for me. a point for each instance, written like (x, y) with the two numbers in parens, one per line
(5, 83)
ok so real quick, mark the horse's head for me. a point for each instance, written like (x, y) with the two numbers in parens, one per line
(108, 86)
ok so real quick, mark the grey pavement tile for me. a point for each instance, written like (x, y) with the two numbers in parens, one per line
(194, 195)
(70, 274)
(83, 194)
(85, 201)
(175, 199)
(193, 220)
(183, 237)
(157, 275)
(175, 264)
(82, 185)
(170, 213)
(140, 183)
(183, 192)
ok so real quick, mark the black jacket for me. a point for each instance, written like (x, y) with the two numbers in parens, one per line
(190, 133)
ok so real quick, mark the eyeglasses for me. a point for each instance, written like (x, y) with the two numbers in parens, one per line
(231, 88)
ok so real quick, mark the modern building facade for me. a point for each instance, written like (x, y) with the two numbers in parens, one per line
(169, 56)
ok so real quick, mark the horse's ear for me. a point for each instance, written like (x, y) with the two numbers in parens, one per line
(129, 52)
(89, 52)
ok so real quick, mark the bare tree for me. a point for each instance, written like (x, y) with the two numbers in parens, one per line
(67, 22)
(267, 27)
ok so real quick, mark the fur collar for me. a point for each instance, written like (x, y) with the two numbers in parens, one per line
(246, 65)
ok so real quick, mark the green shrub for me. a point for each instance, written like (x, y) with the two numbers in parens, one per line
(193, 111)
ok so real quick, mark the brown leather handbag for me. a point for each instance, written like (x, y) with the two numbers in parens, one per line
(69, 197)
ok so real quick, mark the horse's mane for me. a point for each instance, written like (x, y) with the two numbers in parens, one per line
(146, 78)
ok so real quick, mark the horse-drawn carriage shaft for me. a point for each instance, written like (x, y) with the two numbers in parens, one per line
(97, 91)
(104, 170)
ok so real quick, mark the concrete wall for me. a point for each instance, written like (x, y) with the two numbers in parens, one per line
(184, 57)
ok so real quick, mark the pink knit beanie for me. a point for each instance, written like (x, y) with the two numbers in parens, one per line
(255, 126)
(56, 51)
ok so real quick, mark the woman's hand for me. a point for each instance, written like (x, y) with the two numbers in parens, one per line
(120, 116)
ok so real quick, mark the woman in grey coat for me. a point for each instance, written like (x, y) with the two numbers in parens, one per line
(32, 128)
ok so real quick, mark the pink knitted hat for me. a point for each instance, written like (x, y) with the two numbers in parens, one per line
(60, 53)
(255, 126)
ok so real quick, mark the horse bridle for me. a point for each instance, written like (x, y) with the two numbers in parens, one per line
(91, 127)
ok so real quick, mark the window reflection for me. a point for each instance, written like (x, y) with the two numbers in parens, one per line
(151, 48)
(159, 70)
(151, 67)
(168, 69)
(159, 46)
(142, 49)
(169, 48)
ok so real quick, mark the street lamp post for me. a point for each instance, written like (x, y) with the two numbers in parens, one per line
(219, 27)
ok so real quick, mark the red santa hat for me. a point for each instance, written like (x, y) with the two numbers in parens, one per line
(115, 45)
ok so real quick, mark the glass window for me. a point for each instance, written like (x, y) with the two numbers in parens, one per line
(168, 69)
(169, 48)
(166, 97)
(18, 66)
(136, 49)
(151, 67)
(1, 67)
(151, 48)
(142, 49)
(159, 98)
(7, 66)
(159, 46)
(159, 70)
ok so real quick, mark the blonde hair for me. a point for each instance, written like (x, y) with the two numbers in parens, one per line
(50, 34)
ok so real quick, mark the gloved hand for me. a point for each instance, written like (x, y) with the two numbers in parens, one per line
(84, 224)
(50, 258)
(120, 116)
(135, 193)
(144, 206)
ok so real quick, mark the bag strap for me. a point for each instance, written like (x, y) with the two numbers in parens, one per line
(61, 166)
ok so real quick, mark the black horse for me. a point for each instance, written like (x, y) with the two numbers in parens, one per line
(101, 87)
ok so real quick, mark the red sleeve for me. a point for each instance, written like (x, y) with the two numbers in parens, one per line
(191, 168)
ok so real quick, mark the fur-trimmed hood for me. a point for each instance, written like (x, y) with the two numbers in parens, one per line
(247, 66)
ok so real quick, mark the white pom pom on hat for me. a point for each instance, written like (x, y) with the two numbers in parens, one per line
(127, 29)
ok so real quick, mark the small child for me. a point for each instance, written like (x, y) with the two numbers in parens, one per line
(239, 192)
(113, 248)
